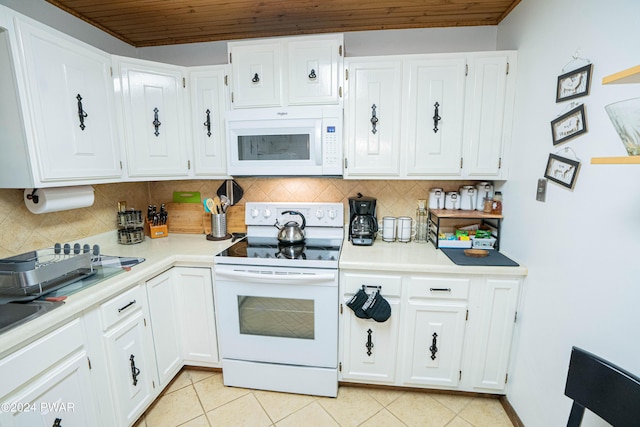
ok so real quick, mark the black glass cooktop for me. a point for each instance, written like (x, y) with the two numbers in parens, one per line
(268, 251)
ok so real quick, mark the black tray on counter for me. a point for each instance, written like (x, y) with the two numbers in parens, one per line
(494, 259)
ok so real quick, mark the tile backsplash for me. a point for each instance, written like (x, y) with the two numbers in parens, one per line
(22, 231)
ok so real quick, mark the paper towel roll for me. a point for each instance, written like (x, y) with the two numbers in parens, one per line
(59, 198)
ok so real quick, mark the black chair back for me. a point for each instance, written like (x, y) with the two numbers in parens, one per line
(604, 388)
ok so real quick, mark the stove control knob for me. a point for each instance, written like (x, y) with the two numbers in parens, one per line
(319, 213)
(255, 212)
(333, 213)
(266, 213)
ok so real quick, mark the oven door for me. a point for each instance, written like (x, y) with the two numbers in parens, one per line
(278, 315)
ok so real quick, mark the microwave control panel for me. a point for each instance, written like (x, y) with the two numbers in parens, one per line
(331, 146)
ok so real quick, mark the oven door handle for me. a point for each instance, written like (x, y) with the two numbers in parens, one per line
(275, 278)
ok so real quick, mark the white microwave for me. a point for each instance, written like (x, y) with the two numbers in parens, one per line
(300, 141)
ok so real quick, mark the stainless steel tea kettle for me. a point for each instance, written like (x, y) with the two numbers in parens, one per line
(291, 232)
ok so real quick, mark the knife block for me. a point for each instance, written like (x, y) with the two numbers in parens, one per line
(156, 231)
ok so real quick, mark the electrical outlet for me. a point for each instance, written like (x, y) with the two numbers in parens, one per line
(541, 191)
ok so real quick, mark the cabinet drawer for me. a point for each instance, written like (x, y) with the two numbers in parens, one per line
(121, 306)
(35, 358)
(390, 284)
(438, 287)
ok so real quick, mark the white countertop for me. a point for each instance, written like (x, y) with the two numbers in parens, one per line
(192, 250)
(412, 257)
(195, 251)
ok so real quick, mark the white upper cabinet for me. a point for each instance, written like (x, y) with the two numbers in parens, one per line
(257, 74)
(208, 105)
(454, 115)
(302, 70)
(57, 108)
(489, 113)
(153, 102)
(433, 115)
(315, 70)
(372, 118)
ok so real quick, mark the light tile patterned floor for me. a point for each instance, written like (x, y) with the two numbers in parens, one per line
(197, 398)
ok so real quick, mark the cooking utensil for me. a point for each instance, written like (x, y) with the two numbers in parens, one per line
(217, 205)
(209, 205)
(231, 190)
(292, 232)
(224, 203)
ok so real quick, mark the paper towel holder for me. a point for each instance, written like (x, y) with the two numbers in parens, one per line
(53, 199)
(33, 196)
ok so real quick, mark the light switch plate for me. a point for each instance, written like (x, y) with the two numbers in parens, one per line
(541, 191)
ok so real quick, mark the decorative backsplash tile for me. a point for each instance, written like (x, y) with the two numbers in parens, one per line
(22, 231)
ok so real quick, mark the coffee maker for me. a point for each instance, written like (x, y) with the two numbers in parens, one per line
(363, 224)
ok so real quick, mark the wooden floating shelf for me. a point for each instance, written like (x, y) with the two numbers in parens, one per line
(623, 160)
(630, 75)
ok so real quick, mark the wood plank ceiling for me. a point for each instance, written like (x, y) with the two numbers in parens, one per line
(164, 22)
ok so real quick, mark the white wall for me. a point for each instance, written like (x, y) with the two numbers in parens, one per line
(358, 43)
(581, 246)
(42, 11)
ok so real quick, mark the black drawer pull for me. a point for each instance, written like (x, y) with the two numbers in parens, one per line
(126, 306)
(440, 289)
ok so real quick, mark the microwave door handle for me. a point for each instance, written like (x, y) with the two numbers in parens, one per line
(319, 143)
(272, 278)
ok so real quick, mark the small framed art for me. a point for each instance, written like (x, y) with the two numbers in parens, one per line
(562, 170)
(574, 84)
(569, 125)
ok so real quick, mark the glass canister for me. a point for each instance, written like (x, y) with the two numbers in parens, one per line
(421, 222)
(484, 190)
(496, 205)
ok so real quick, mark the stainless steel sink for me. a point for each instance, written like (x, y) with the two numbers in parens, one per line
(14, 314)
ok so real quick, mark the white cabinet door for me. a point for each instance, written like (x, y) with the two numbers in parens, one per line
(372, 118)
(197, 316)
(165, 325)
(132, 368)
(368, 348)
(314, 70)
(208, 105)
(61, 395)
(434, 337)
(489, 112)
(433, 112)
(71, 100)
(257, 71)
(153, 107)
(492, 345)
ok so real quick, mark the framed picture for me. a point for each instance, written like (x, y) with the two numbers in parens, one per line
(574, 84)
(562, 170)
(568, 125)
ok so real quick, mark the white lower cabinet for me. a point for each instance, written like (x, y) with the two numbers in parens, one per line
(106, 367)
(446, 331)
(492, 342)
(129, 350)
(197, 316)
(49, 381)
(369, 348)
(162, 293)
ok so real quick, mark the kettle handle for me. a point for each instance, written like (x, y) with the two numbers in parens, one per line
(304, 221)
